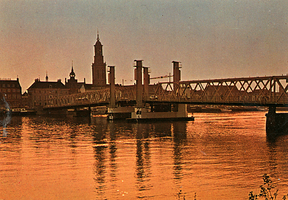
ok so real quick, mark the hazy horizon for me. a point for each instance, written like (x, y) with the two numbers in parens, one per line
(211, 38)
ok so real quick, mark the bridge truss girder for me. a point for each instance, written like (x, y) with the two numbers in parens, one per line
(95, 97)
(260, 91)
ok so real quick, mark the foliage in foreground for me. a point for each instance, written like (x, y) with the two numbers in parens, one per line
(268, 190)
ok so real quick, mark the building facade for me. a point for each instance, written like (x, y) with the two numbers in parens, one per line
(98, 66)
(40, 92)
(11, 91)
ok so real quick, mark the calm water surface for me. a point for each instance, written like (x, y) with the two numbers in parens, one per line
(218, 156)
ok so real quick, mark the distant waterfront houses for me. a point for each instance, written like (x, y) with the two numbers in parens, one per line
(11, 91)
(42, 91)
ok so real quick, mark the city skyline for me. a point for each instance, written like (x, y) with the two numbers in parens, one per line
(211, 39)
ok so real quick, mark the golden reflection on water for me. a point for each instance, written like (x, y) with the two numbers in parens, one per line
(218, 156)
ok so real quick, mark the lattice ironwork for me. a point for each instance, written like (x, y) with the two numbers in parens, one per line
(260, 91)
(250, 91)
(91, 98)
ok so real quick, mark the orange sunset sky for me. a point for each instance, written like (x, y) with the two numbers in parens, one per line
(211, 38)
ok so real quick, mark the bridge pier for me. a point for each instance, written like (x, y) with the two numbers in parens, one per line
(158, 111)
(81, 112)
(276, 123)
(178, 112)
(113, 111)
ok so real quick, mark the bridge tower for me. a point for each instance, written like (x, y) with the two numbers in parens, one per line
(115, 111)
(176, 72)
(98, 66)
(112, 86)
(146, 83)
(138, 77)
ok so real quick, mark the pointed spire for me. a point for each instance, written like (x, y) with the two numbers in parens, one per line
(72, 74)
(46, 76)
(72, 67)
(98, 35)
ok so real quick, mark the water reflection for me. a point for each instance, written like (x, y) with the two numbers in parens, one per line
(179, 138)
(142, 159)
(113, 152)
(13, 131)
(277, 158)
(225, 154)
(100, 144)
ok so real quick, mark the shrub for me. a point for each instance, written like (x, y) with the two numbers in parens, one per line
(268, 190)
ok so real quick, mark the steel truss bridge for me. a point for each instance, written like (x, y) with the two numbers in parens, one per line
(251, 91)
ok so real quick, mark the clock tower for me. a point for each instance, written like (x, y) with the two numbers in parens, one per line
(98, 66)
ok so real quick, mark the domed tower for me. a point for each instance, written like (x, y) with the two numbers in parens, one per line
(98, 67)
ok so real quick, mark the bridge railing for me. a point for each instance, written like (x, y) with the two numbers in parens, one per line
(91, 98)
(262, 91)
(125, 93)
(86, 98)
(253, 90)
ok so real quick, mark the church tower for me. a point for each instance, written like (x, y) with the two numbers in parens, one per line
(98, 67)
(72, 82)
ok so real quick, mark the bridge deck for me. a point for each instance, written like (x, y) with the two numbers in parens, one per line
(258, 91)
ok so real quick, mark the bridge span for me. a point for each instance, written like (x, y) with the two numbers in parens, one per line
(148, 101)
(252, 91)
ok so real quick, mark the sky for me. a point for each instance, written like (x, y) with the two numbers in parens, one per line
(211, 38)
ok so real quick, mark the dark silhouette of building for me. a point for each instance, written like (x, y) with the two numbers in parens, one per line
(72, 82)
(74, 86)
(41, 92)
(98, 67)
(11, 91)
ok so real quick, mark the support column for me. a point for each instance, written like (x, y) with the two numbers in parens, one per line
(138, 77)
(176, 72)
(146, 83)
(176, 75)
(112, 86)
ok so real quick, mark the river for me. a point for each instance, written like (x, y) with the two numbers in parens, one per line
(218, 156)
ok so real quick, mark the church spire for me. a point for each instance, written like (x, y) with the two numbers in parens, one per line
(46, 76)
(98, 35)
(72, 74)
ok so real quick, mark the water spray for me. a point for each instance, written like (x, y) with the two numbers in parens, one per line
(7, 117)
